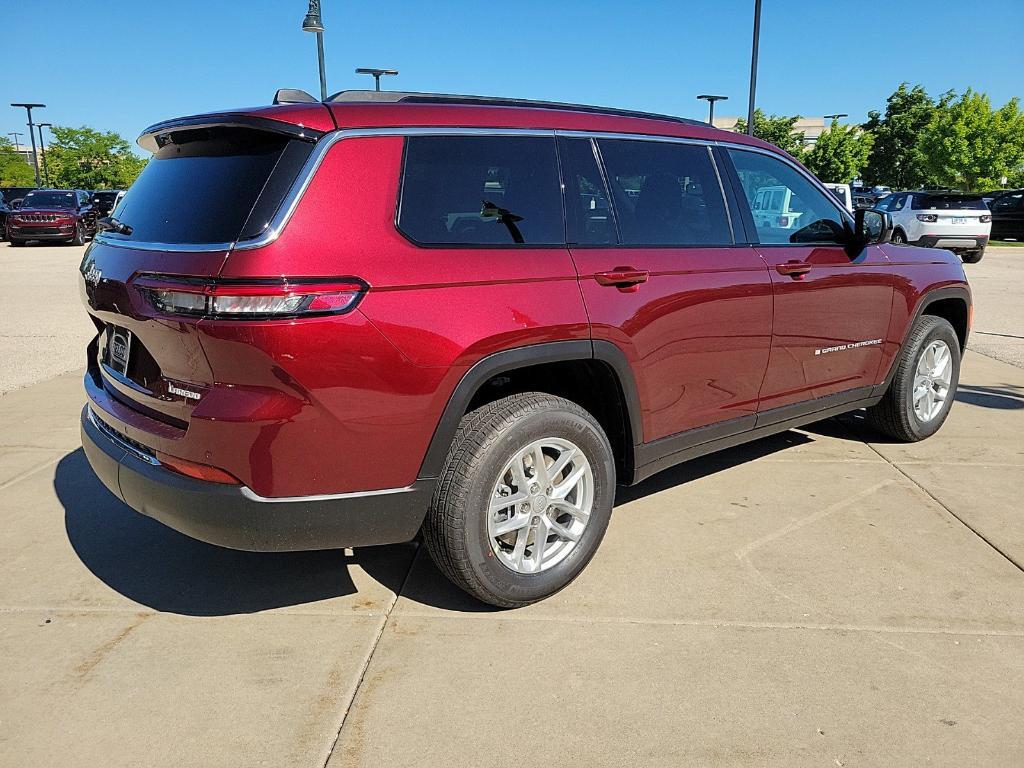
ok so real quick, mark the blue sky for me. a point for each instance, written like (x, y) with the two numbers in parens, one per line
(122, 65)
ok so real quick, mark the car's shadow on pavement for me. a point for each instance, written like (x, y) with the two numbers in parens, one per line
(153, 565)
(1007, 397)
(167, 571)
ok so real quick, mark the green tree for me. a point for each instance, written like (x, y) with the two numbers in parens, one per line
(85, 158)
(969, 146)
(14, 171)
(778, 130)
(896, 158)
(840, 153)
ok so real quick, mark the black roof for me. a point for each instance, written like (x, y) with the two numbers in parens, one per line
(408, 97)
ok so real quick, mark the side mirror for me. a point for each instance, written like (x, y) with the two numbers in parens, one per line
(871, 227)
(16, 204)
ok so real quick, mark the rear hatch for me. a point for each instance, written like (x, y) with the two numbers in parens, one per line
(952, 213)
(212, 184)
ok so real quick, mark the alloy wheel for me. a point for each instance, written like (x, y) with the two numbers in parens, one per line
(932, 380)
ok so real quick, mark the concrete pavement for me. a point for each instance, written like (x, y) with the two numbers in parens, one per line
(815, 598)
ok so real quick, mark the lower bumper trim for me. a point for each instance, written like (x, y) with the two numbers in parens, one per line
(237, 518)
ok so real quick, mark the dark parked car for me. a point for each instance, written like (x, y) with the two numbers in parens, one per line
(5, 211)
(14, 195)
(52, 214)
(1008, 215)
(103, 201)
(474, 317)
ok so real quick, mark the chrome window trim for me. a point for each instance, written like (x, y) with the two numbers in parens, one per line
(325, 144)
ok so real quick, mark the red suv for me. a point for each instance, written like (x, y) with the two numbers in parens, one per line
(52, 214)
(344, 323)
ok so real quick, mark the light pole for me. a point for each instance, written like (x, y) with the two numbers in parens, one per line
(313, 23)
(376, 74)
(711, 105)
(31, 135)
(753, 67)
(42, 150)
(836, 116)
(15, 134)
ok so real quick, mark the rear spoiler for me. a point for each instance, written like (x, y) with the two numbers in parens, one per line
(159, 134)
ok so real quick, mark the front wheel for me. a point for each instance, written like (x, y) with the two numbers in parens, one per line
(79, 238)
(924, 385)
(523, 501)
(972, 257)
(898, 238)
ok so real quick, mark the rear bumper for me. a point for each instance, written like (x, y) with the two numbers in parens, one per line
(952, 242)
(235, 517)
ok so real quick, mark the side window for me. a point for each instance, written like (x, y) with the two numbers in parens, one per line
(1008, 202)
(810, 215)
(665, 193)
(481, 190)
(588, 214)
(899, 203)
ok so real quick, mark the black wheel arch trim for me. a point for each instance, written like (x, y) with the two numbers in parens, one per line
(926, 300)
(522, 357)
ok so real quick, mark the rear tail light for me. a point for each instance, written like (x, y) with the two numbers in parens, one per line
(196, 470)
(241, 300)
(928, 217)
(985, 218)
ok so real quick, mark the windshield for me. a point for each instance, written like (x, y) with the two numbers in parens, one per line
(211, 186)
(104, 197)
(49, 199)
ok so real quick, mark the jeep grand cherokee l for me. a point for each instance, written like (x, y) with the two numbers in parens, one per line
(340, 324)
(52, 214)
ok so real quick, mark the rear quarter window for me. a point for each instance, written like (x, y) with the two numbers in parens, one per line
(481, 191)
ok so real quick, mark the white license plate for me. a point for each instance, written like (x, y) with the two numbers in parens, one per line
(960, 219)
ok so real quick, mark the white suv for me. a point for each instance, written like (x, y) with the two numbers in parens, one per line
(961, 223)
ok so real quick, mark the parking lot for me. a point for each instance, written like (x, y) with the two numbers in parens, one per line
(814, 598)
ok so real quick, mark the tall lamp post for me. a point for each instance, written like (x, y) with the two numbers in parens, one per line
(31, 134)
(17, 144)
(711, 105)
(836, 116)
(42, 150)
(376, 74)
(313, 23)
(753, 67)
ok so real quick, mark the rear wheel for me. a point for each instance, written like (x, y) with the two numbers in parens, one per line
(899, 238)
(924, 385)
(972, 257)
(523, 501)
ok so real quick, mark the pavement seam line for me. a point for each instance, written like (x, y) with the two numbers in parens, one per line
(953, 514)
(29, 472)
(369, 657)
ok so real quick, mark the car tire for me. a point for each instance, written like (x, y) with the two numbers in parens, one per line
(972, 257)
(79, 238)
(899, 237)
(493, 551)
(903, 413)
(15, 242)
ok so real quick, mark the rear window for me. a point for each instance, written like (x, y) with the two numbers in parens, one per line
(211, 185)
(481, 190)
(948, 203)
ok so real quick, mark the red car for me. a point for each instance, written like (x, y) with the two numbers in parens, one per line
(344, 323)
(65, 215)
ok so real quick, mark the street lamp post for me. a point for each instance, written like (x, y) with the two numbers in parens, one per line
(42, 150)
(376, 74)
(753, 67)
(31, 134)
(313, 23)
(17, 144)
(836, 116)
(711, 105)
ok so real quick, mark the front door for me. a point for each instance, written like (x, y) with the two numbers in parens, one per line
(664, 281)
(832, 306)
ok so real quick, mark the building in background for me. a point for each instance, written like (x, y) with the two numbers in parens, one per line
(811, 127)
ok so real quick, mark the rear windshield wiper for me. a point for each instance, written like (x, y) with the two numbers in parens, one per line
(109, 223)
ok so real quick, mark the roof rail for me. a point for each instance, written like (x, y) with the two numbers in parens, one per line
(293, 96)
(408, 97)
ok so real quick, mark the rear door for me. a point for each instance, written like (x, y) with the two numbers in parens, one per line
(831, 306)
(665, 281)
(205, 189)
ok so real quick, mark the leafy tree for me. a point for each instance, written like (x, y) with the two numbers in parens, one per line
(777, 130)
(969, 146)
(896, 158)
(840, 153)
(14, 171)
(85, 158)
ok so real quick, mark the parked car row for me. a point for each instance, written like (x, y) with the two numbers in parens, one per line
(32, 214)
